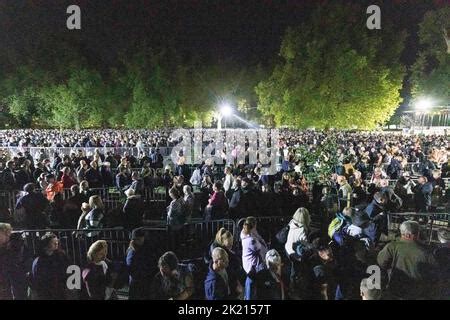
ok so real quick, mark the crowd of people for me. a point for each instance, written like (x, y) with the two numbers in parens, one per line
(307, 267)
(338, 228)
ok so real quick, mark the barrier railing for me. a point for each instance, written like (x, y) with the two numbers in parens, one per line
(430, 223)
(76, 243)
(48, 152)
(191, 240)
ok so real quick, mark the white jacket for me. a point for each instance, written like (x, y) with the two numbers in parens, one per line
(297, 232)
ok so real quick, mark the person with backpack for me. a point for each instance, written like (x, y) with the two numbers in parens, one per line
(298, 231)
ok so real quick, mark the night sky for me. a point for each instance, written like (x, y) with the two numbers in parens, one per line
(243, 31)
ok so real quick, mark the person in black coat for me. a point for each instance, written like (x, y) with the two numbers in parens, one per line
(224, 240)
(13, 284)
(133, 209)
(93, 177)
(71, 209)
(273, 282)
(140, 266)
(422, 194)
(30, 208)
(48, 275)
(217, 282)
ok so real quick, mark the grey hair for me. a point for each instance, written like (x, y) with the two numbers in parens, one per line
(273, 258)
(219, 253)
(409, 227)
(187, 189)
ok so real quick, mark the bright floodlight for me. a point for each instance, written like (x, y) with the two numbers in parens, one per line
(226, 110)
(423, 104)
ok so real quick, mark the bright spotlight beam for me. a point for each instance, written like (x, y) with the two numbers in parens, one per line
(226, 110)
(423, 104)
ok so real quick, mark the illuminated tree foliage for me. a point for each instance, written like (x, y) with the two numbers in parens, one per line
(333, 72)
(430, 73)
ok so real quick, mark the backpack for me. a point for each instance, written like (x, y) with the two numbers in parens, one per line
(303, 250)
(336, 224)
(282, 235)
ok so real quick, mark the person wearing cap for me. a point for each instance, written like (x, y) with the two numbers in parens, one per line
(133, 209)
(411, 265)
(442, 256)
(172, 282)
(140, 265)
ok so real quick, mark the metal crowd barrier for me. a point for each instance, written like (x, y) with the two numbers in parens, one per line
(430, 223)
(191, 241)
(76, 243)
(49, 152)
(267, 227)
(111, 197)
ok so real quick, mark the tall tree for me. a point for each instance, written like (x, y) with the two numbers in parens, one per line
(430, 73)
(334, 72)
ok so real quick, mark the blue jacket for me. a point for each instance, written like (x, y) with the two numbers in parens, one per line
(373, 209)
(215, 286)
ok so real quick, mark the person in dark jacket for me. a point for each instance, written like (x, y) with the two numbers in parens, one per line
(31, 207)
(48, 275)
(172, 282)
(106, 174)
(93, 177)
(422, 194)
(272, 283)
(122, 179)
(217, 203)
(376, 206)
(13, 283)
(137, 184)
(224, 240)
(71, 209)
(7, 177)
(217, 283)
(442, 256)
(140, 266)
(96, 276)
(133, 209)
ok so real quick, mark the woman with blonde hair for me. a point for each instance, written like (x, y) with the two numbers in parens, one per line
(96, 277)
(224, 239)
(298, 230)
(95, 218)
